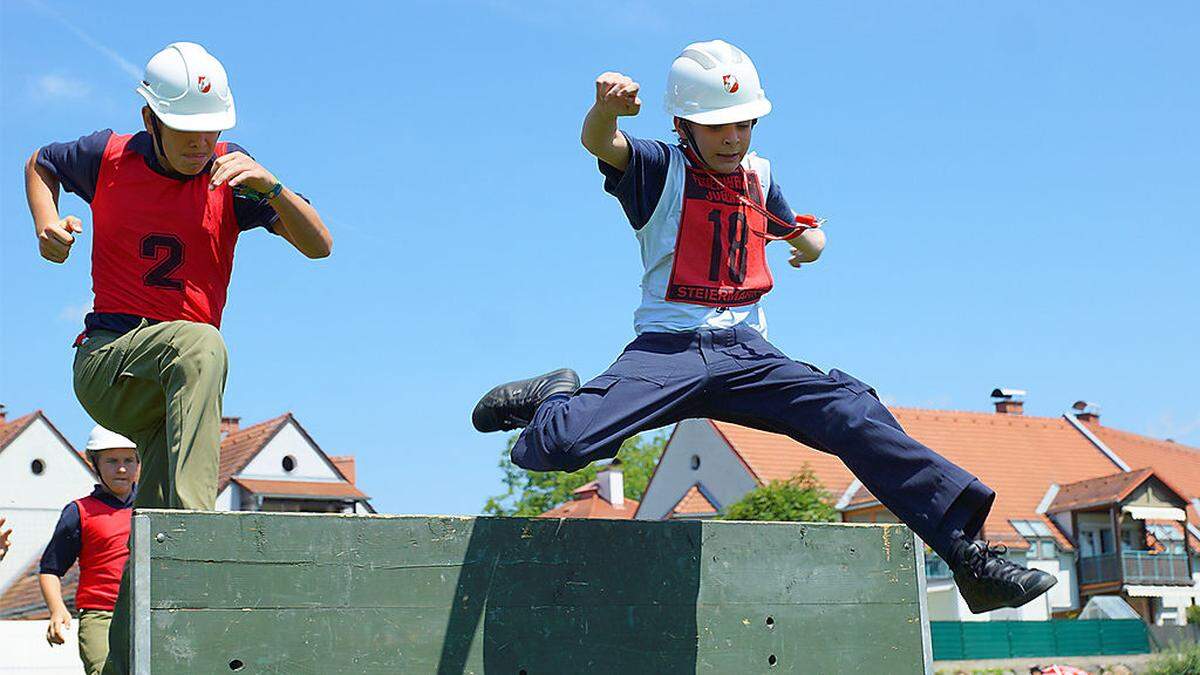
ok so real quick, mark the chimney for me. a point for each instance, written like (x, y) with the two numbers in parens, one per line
(229, 425)
(1009, 401)
(611, 481)
(3, 413)
(1088, 413)
(345, 464)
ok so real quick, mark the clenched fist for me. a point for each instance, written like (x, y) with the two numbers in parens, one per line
(617, 95)
(55, 239)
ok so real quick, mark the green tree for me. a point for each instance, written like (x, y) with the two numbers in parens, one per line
(799, 498)
(531, 493)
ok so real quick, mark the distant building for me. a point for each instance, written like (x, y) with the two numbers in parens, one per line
(601, 498)
(1107, 511)
(270, 466)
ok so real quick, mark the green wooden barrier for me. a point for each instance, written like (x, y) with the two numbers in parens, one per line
(299, 593)
(960, 640)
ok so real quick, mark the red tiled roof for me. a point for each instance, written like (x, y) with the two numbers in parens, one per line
(587, 503)
(694, 503)
(10, 430)
(1173, 462)
(23, 597)
(774, 457)
(861, 496)
(1100, 491)
(344, 465)
(1018, 456)
(301, 488)
(593, 486)
(239, 447)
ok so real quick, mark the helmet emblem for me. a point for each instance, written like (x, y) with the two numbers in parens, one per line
(204, 85)
(731, 83)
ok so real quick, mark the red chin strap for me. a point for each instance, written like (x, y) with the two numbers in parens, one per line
(692, 151)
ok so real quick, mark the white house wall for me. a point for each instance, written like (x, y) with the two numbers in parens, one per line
(32, 503)
(226, 499)
(722, 474)
(1065, 595)
(268, 464)
(25, 650)
(943, 601)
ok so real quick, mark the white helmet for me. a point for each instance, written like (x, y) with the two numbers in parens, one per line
(103, 439)
(188, 90)
(715, 83)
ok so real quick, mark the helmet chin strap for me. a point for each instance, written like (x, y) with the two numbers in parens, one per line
(692, 150)
(684, 128)
(156, 133)
(95, 457)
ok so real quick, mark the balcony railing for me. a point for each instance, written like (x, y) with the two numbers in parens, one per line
(1135, 567)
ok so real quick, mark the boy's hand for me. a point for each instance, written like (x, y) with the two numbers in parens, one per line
(5, 539)
(237, 168)
(807, 247)
(55, 239)
(617, 95)
(60, 625)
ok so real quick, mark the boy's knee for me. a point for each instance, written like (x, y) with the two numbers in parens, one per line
(855, 412)
(200, 343)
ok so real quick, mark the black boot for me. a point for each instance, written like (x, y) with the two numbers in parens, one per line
(511, 405)
(987, 581)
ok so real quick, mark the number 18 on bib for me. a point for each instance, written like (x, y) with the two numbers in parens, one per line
(720, 252)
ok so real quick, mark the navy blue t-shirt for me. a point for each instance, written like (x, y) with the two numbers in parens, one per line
(76, 165)
(63, 549)
(640, 186)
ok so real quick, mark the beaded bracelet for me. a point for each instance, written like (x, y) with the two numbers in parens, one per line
(255, 194)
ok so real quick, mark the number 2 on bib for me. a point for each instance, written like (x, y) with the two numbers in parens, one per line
(153, 245)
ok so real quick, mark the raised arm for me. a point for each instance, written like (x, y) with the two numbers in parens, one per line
(616, 96)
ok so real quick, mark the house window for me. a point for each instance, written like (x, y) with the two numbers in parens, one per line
(289, 464)
(1132, 540)
(1106, 542)
(695, 462)
(38, 467)
(1091, 543)
(1048, 550)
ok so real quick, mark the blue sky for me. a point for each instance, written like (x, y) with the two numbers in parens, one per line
(1011, 191)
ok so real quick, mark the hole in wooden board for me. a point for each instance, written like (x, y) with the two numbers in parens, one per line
(236, 664)
(771, 660)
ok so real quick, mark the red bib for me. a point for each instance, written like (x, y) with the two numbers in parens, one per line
(720, 255)
(163, 248)
(103, 549)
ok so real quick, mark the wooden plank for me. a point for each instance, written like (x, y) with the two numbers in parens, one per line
(322, 593)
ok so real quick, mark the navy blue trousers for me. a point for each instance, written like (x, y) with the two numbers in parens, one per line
(735, 375)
